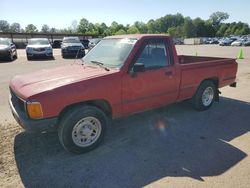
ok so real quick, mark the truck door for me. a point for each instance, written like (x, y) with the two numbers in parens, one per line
(155, 85)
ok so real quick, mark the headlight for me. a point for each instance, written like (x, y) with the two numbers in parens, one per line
(34, 110)
(28, 49)
(49, 49)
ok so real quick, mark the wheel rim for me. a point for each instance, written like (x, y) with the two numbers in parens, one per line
(208, 96)
(86, 131)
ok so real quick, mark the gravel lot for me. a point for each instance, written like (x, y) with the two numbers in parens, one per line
(174, 146)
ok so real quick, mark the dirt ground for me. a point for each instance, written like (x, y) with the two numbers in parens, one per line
(174, 146)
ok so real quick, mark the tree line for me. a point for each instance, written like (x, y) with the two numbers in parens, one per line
(175, 25)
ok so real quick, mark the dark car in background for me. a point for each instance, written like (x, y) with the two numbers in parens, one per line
(246, 42)
(225, 42)
(7, 49)
(72, 47)
(93, 42)
(85, 43)
(56, 44)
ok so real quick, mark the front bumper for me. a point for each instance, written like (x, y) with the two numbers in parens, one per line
(30, 125)
(44, 54)
(67, 52)
(4, 53)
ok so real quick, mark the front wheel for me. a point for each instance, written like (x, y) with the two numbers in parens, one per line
(11, 57)
(82, 129)
(205, 96)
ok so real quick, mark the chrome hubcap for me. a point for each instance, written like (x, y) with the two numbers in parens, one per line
(207, 96)
(86, 131)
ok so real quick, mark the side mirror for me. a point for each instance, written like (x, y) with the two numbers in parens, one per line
(139, 67)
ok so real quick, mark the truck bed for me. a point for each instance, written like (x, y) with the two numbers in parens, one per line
(195, 69)
(183, 59)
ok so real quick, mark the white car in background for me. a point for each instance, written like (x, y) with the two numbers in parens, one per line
(39, 47)
(237, 42)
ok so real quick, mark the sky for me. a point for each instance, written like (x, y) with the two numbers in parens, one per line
(61, 13)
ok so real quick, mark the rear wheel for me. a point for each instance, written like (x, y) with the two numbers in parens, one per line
(82, 129)
(205, 96)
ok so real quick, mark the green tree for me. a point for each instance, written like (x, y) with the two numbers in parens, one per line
(53, 30)
(4, 26)
(141, 26)
(222, 29)
(30, 28)
(15, 28)
(120, 32)
(175, 32)
(103, 29)
(151, 26)
(218, 17)
(188, 28)
(83, 26)
(133, 30)
(45, 28)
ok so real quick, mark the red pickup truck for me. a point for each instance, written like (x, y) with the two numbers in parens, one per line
(121, 75)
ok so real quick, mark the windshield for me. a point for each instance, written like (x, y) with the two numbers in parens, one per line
(4, 42)
(111, 52)
(38, 41)
(71, 40)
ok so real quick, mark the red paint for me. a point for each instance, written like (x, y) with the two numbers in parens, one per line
(58, 88)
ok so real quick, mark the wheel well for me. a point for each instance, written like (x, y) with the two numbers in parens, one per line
(214, 80)
(100, 103)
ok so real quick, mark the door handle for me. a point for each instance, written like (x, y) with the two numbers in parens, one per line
(169, 73)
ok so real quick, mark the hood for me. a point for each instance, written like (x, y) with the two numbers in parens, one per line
(39, 46)
(31, 84)
(2, 46)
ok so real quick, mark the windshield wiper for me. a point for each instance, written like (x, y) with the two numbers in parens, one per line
(100, 64)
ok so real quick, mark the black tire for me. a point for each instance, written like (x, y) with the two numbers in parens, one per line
(16, 56)
(198, 102)
(71, 119)
(11, 57)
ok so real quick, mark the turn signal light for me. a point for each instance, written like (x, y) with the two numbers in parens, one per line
(34, 110)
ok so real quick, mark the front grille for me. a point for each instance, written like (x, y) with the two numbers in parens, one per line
(17, 102)
(39, 49)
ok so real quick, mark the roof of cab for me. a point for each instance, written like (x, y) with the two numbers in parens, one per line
(137, 36)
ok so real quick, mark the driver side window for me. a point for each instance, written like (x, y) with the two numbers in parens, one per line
(154, 56)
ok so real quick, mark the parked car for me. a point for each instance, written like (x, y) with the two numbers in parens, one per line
(7, 49)
(94, 42)
(39, 47)
(57, 44)
(246, 42)
(237, 42)
(72, 47)
(120, 76)
(85, 43)
(214, 41)
(225, 42)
